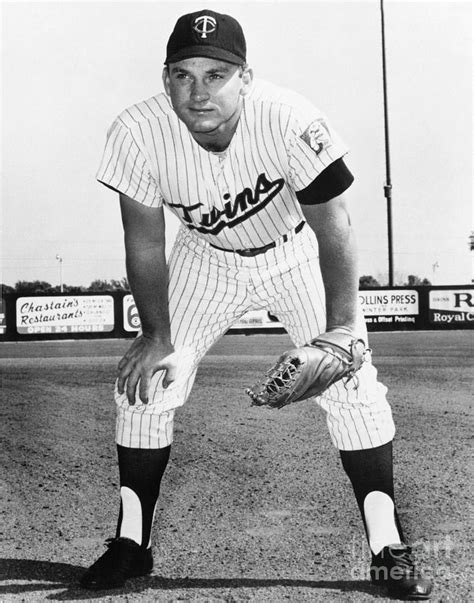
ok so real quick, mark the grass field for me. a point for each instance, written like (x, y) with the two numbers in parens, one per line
(254, 505)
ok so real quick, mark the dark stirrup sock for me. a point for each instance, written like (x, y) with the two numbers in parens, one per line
(371, 475)
(141, 470)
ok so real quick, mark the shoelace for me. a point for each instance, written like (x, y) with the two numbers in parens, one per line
(124, 562)
(403, 558)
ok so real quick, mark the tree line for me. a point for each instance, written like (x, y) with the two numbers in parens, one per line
(97, 286)
(411, 281)
(100, 285)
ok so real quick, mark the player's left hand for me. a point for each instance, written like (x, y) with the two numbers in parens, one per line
(144, 358)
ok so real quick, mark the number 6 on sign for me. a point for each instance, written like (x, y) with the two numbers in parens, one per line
(131, 320)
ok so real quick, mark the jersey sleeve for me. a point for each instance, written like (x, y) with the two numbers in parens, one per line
(332, 182)
(313, 146)
(125, 169)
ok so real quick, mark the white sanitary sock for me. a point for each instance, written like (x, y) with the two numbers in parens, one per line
(379, 513)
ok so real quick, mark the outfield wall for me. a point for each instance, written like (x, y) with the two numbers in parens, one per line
(113, 314)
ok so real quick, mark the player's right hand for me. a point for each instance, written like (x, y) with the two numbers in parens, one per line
(143, 359)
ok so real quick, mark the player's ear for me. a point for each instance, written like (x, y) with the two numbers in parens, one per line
(166, 79)
(247, 78)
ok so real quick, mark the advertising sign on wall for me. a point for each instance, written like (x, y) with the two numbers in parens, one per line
(391, 308)
(3, 322)
(131, 320)
(100, 315)
(256, 318)
(252, 319)
(451, 307)
(65, 314)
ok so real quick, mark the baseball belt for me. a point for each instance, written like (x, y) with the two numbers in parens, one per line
(249, 253)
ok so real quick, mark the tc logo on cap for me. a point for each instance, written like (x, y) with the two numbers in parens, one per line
(204, 25)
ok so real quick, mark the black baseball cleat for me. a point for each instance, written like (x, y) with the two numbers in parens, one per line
(124, 559)
(394, 568)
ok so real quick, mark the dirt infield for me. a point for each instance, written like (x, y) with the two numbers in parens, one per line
(254, 505)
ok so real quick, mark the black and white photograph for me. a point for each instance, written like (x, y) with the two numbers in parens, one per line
(237, 301)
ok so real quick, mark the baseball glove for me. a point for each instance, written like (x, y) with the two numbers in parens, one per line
(308, 371)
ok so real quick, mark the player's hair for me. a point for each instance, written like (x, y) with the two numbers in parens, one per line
(242, 68)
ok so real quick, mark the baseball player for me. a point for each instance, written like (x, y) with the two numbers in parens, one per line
(256, 175)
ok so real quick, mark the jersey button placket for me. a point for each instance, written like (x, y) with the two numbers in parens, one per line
(220, 179)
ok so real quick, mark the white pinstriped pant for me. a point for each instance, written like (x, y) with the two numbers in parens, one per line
(209, 290)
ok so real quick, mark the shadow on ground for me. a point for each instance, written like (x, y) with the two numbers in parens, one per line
(42, 576)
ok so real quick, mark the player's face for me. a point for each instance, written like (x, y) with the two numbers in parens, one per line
(207, 95)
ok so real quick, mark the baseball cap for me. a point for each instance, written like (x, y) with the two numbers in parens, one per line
(206, 33)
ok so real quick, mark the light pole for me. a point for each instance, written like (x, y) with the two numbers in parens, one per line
(435, 266)
(388, 181)
(60, 260)
(471, 248)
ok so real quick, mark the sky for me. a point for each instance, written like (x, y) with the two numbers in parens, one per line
(68, 68)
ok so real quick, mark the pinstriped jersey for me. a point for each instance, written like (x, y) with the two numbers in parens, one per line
(241, 198)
